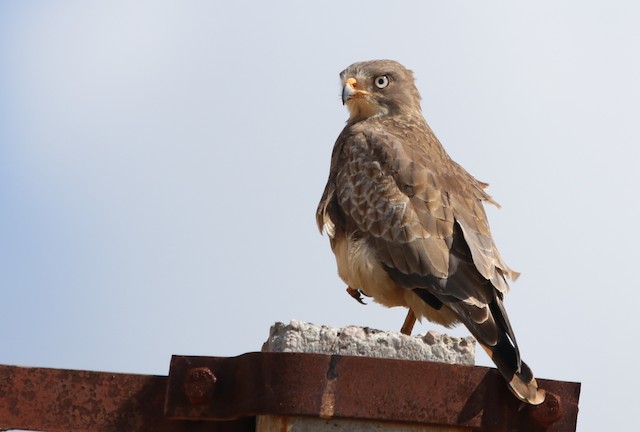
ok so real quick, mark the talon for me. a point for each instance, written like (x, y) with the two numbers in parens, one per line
(356, 294)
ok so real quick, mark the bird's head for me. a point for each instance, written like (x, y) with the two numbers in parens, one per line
(378, 88)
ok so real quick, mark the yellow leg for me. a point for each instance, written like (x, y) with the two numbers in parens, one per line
(409, 322)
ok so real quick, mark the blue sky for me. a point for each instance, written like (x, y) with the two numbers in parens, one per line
(160, 164)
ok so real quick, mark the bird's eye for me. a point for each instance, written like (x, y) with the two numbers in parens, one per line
(382, 81)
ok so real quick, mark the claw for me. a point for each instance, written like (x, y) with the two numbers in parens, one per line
(356, 294)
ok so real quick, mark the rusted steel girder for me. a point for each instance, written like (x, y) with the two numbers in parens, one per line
(216, 394)
(296, 384)
(59, 400)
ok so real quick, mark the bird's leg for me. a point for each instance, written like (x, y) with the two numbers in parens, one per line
(409, 322)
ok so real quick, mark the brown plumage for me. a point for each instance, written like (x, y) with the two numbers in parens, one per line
(407, 224)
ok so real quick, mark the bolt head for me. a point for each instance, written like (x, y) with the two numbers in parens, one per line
(198, 384)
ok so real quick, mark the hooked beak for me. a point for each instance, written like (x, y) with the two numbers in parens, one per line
(350, 91)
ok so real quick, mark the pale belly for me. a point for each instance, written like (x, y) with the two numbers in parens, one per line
(360, 269)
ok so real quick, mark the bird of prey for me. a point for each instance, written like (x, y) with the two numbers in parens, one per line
(407, 224)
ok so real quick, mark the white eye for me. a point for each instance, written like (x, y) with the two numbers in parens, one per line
(381, 81)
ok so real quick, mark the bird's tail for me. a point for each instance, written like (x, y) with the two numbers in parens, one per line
(516, 372)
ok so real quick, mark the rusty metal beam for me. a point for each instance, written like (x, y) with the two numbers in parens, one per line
(216, 394)
(295, 384)
(58, 400)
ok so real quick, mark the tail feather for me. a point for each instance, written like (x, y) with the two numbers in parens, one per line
(517, 374)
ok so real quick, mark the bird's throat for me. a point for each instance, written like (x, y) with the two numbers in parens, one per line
(361, 108)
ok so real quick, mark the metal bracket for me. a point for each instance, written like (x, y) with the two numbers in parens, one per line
(334, 386)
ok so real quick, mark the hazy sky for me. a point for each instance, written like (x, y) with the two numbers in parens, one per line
(161, 162)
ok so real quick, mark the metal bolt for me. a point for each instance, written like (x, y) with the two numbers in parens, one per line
(198, 384)
(548, 412)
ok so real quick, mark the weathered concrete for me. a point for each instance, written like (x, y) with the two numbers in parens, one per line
(299, 336)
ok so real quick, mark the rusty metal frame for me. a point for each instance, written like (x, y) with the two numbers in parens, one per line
(224, 394)
(60, 400)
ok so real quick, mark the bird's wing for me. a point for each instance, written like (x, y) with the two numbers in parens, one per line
(470, 214)
(390, 193)
(405, 198)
